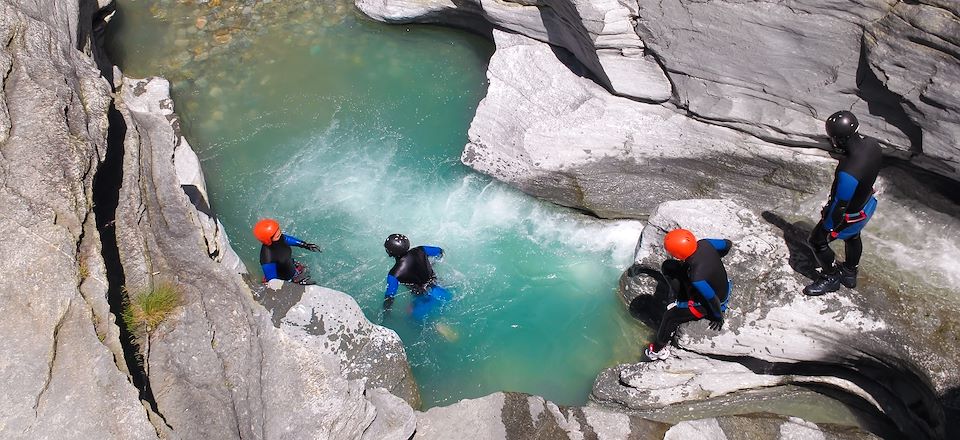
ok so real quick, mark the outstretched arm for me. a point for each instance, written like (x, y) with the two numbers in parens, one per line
(294, 241)
(433, 251)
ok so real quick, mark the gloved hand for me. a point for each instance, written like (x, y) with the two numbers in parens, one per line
(275, 284)
(311, 247)
(387, 303)
(716, 323)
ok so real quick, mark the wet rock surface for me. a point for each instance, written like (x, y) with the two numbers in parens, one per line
(855, 340)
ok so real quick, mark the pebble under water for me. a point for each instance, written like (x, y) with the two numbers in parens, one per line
(346, 131)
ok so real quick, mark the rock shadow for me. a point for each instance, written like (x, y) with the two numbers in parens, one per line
(906, 398)
(571, 42)
(795, 235)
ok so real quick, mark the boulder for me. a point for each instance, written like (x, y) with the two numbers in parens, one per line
(329, 321)
(859, 340)
(60, 358)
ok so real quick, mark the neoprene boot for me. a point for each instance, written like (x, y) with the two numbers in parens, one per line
(828, 282)
(848, 276)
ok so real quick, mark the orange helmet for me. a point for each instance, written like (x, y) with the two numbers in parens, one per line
(267, 231)
(680, 243)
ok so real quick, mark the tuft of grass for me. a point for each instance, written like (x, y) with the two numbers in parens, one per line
(144, 311)
(82, 269)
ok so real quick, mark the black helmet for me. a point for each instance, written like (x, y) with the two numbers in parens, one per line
(397, 245)
(841, 125)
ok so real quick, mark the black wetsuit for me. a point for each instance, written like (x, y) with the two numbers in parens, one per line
(851, 203)
(277, 261)
(701, 285)
(413, 270)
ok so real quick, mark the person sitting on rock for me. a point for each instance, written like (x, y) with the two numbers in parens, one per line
(850, 207)
(700, 282)
(276, 256)
(413, 269)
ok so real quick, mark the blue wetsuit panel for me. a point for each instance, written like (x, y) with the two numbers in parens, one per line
(424, 305)
(269, 271)
(432, 251)
(708, 295)
(291, 240)
(719, 244)
(392, 285)
(846, 187)
(705, 289)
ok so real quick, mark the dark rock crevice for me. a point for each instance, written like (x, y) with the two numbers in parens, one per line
(106, 195)
(905, 398)
(884, 103)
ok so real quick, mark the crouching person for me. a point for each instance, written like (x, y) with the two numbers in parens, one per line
(700, 282)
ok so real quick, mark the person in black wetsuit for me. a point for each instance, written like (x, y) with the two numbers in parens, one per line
(413, 269)
(700, 282)
(276, 256)
(850, 207)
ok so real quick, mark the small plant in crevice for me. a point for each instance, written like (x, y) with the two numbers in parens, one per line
(82, 269)
(144, 311)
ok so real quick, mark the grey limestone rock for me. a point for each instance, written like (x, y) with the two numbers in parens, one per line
(508, 415)
(331, 322)
(57, 354)
(575, 144)
(855, 340)
(762, 426)
(598, 34)
(773, 70)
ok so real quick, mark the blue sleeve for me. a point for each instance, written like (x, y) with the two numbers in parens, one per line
(710, 296)
(432, 251)
(720, 245)
(292, 241)
(846, 186)
(269, 271)
(392, 285)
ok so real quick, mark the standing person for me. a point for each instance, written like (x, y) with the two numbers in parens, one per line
(700, 282)
(413, 269)
(276, 256)
(850, 207)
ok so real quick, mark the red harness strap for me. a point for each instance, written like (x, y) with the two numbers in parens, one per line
(693, 310)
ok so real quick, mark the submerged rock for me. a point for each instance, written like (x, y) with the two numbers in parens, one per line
(855, 340)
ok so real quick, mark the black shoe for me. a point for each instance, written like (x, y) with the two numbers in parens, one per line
(848, 276)
(825, 284)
